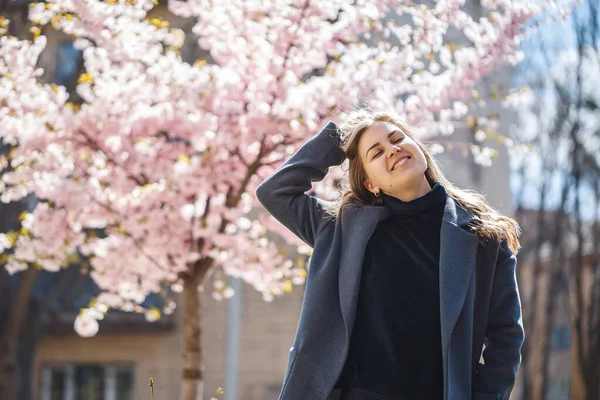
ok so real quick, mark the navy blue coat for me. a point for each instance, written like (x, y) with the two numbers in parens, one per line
(479, 298)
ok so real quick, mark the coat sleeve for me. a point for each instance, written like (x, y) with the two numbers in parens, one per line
(283, 192)
(504, 334)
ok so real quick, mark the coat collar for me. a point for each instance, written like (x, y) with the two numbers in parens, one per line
(455, 214)
(457, 259)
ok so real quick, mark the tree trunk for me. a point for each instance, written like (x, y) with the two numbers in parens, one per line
(578, 385)
(28, 341)
(9, 379)
(580, 340)
(545, 323)
(592, 315)
(531, 309)
(546, 304)
(193, 369)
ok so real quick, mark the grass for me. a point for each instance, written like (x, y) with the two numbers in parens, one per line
(219, 390)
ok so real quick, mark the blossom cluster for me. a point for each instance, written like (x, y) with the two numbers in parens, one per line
(156, 169)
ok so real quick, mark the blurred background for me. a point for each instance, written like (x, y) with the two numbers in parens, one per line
(553, 190)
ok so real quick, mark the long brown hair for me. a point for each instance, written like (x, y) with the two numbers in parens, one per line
(489, 223)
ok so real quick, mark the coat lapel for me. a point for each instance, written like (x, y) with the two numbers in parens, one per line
(457, 261)
(358, 224)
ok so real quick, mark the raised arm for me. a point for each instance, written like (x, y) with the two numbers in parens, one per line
(505, 335)
(283, 192)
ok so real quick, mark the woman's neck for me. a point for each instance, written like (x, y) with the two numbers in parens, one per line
(418, 189)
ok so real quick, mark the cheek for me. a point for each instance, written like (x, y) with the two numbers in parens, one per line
(370, 172)
(374, 171)
(420, 156)
(382, 175)
(423, 162)
(423, 159)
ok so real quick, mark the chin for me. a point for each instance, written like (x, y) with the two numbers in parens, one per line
(409, 176)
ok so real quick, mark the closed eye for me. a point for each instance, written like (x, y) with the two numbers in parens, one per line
(379, 152)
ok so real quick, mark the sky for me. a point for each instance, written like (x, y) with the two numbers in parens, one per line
(551, 51)
(552, 39)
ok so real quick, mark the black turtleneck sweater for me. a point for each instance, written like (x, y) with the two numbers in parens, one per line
(395, 349)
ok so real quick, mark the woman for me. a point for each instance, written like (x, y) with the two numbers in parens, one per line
(409, 277)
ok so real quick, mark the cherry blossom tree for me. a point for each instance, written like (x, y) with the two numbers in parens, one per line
(152, 177)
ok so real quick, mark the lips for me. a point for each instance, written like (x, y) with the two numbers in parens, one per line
(400, 162)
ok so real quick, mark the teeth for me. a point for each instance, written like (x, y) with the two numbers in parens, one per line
(399, 163)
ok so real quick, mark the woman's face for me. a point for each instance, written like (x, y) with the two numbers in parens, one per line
(393, 162)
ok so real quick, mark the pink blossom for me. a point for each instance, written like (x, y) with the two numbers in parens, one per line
(86, 325)
(165, 156)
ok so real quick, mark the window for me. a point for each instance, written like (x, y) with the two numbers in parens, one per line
(561, 337)
(558, 390)
(68, 65)
(87, 382)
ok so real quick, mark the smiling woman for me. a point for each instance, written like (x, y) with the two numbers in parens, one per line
(409, 277)
(374, 142)
(392, 149)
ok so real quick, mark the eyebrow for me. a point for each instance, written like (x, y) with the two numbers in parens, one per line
(377, 144)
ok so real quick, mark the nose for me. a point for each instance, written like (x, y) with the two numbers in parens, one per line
(394, 150)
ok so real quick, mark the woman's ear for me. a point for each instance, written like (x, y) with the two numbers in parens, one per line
(370, 187)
